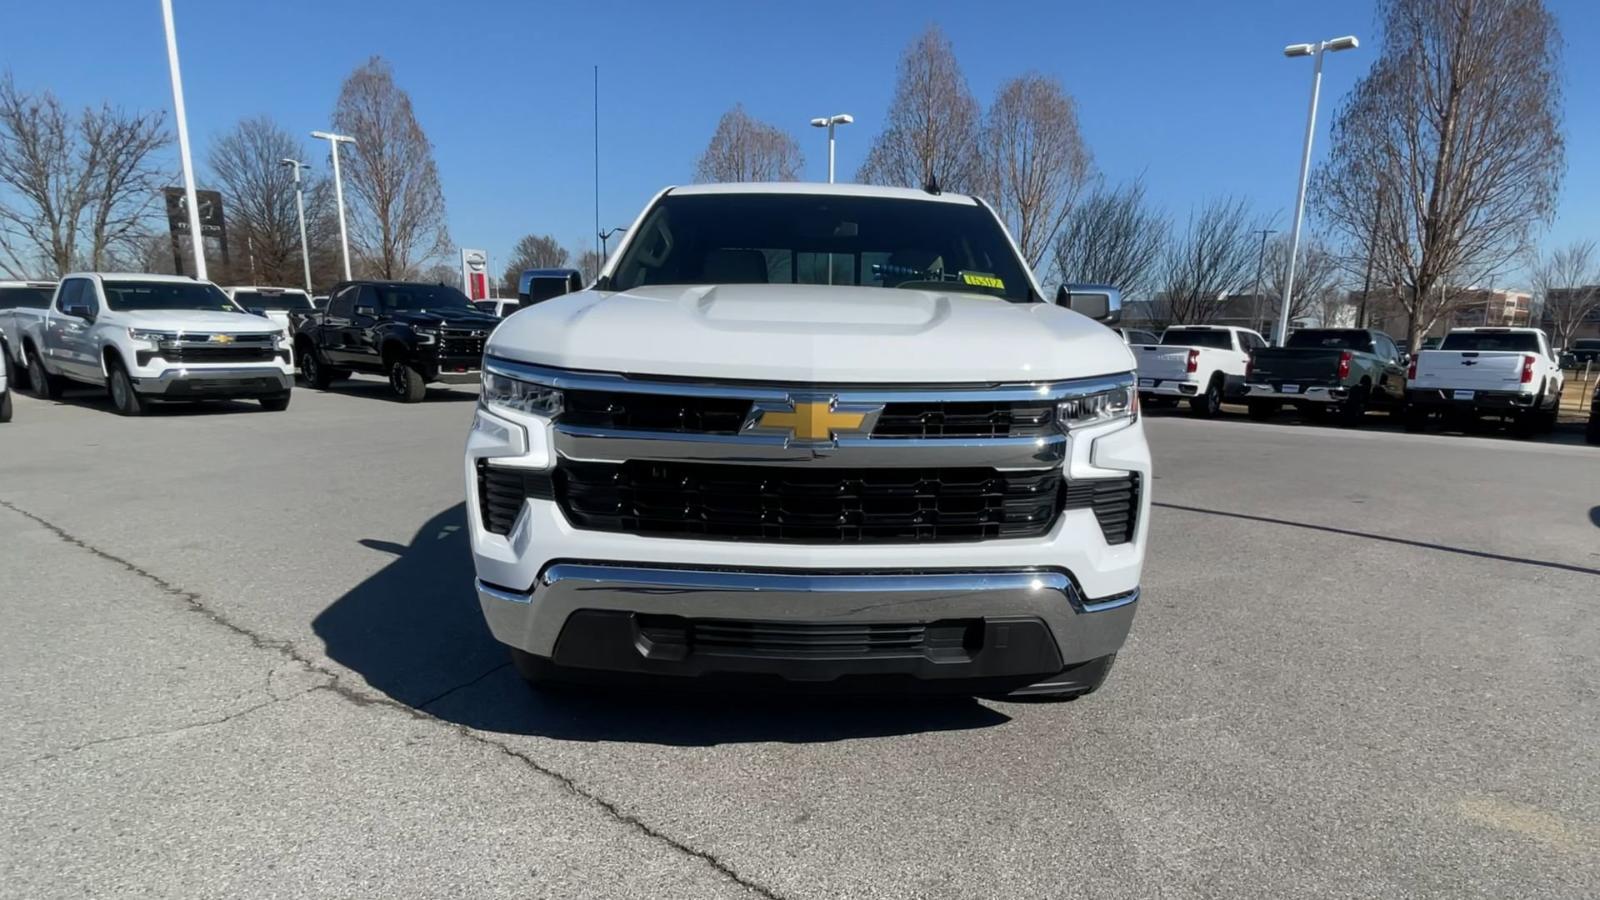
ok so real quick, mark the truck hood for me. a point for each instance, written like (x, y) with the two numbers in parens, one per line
(454, 318)
(810, 334)
(194, 320)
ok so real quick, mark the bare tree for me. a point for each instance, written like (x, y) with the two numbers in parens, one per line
(1213, 257)
(1035, 161)
(80, 190)
(1456, 133)
(399, 215)
(535, 251)
(745, 149)
(1318, 275)
(932, 128)
(1112, 237)
(258, 191)
(589, 263)
(1567, 285)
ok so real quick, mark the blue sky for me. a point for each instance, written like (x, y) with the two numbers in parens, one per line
(1194, 95)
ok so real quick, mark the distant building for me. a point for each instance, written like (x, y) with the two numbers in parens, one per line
(1475, 307)
(1588, 328)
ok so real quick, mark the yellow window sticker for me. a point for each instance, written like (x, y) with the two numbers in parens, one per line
(983, 279)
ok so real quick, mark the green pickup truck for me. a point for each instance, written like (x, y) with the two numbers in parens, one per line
(1342, 371)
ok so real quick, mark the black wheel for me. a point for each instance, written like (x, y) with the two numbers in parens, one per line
(124, 398)
(313, 373)
(5, 405)
(1262, 410)
(1415, 418)
(277, 403)
(1549, 417)
(1079, 681)
(1208, 403)
(406, 383)
(45, 386)
(1353, 411)
(1592, 433)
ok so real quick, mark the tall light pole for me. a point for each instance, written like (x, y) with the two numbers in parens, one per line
(334, 140)
(295, 166)
(1348, 42)
(829, 123)
(196, 239)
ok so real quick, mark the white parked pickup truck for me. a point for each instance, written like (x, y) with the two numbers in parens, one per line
(1506, 372)
(832, 435)
(1200, 363)
(153, 337)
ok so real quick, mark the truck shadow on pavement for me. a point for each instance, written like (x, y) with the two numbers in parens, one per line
(414, 632)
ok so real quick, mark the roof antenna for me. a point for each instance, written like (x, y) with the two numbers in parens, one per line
(932, 184)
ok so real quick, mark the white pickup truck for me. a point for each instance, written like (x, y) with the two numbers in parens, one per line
(151, 337)
(18, 300)
(833, 435)
(1199, 363)
(1506, 372)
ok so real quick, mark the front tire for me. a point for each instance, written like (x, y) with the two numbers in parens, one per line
(45, 386)
(1592, 433)
(5, 405)
(406, 383)
(277, 403)
(313, 374)
(124, 398)
(1208, 403)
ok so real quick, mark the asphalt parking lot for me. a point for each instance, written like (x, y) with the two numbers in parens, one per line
(241, 656)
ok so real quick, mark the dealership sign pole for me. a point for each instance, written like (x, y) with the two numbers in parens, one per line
(196, 241)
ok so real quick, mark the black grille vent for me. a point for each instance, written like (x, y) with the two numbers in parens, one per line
(1115, 502)
(965, 419)
(502, 491)
(819, 505)
(462, 342)
(654, 412)
(217, 354)
(947, 639)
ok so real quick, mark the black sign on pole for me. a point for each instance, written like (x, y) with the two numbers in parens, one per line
(211, 222)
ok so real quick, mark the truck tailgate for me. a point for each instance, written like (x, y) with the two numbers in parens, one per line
(1295, 365)
(1475, 370)
(1163, 362)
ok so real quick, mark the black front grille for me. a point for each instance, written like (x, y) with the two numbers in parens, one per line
(1115, 502)
(819, 505)
(654, 412)
(965, 419)
(221, 353)
(502, 490)
(945, 639)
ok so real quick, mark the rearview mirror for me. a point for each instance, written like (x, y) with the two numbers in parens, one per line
(1097, 301)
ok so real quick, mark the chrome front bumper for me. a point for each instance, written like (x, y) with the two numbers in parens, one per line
(1082, 629)
(216, 382)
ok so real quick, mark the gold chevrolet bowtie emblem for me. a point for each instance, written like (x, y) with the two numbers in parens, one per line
(812, 420)
(222, 338)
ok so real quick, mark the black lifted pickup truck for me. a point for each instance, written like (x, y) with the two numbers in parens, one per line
(1336, 370)
(413, 333)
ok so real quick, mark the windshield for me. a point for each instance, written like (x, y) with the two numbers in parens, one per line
(822, 240)
(1331, 339)
(421, 297)
(128, 296)
(1515, 341)
(1196, 337)
(26, 297)
(273, 300)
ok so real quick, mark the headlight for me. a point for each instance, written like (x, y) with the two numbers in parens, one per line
(154, 337)
(426, 334)
(520, 396)
(1120, 402)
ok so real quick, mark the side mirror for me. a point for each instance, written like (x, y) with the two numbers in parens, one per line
(79, 310)
(1099, 302)
(257, 311)
(1404, 359)
(366, 311)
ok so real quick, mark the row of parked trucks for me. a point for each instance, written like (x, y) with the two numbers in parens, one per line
(1340, 373)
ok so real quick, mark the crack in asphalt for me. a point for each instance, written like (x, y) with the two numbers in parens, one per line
(195, 604)
(460, 687)
(163, 732)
